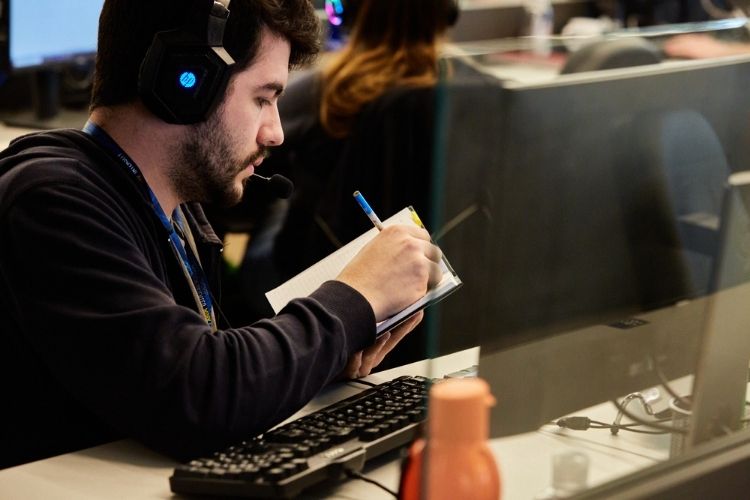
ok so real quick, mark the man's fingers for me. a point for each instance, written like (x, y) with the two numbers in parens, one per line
(435, 277)
(352, 367)
(362, 363)
(417, 232)
(370, 355)
(433, 252)
(397, 334)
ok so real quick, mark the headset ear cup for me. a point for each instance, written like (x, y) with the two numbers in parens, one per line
(181, 81)
(185, 71)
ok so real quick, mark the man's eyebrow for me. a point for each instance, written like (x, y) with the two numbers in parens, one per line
(274, 87)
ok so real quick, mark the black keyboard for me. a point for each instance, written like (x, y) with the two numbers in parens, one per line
(314, 448)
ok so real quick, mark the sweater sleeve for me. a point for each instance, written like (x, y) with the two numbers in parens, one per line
(91, 297)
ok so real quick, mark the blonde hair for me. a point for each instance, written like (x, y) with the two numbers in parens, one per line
(393, 43)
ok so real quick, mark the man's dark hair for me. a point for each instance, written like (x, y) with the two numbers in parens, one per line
(127, 27)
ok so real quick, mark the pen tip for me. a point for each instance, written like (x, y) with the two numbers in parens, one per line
(356, 193)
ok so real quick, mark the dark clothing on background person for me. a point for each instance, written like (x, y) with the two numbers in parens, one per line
(102, 337)
(388, 156)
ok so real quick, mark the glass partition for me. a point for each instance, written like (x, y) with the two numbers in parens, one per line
(599, 223)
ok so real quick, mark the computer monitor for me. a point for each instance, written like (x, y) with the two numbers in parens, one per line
(44, 38)
(619, 171)
(719, 391)
(600, 195)
(717, 449)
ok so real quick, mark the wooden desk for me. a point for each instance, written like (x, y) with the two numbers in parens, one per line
(125, 469)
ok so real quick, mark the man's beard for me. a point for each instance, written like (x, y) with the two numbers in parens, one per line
(205, 169)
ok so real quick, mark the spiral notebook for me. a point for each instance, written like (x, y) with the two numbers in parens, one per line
(328, 268)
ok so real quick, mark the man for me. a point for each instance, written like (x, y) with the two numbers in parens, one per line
(107, 264)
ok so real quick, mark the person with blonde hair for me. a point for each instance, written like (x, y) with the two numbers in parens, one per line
(392, 43)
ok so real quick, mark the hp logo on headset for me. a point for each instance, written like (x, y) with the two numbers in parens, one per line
(188, 80)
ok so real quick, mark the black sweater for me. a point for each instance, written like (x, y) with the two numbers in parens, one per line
(101, 337)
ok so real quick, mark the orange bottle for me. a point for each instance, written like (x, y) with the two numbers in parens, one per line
(456, 459)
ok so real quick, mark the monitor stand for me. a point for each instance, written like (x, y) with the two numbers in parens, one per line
(47, 112)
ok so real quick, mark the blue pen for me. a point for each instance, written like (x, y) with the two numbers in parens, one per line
(368, 210)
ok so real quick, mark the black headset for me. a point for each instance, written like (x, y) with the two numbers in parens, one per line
(185, 71)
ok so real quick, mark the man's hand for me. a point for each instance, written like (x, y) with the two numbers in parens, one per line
(395, 269)
(362, 363)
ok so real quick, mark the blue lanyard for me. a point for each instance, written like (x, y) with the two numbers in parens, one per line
(187, 259)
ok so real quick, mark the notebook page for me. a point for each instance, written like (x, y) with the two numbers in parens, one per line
(328, 268)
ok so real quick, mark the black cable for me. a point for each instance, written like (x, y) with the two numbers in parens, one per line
(363, 382)
(639, 431)
(655, 425)
(636, 424)
(581, 423)
(632, 424)
(665, 383)
(576, 423)
(628, 427)
(356, 475)
(603, 424)
(683, 400)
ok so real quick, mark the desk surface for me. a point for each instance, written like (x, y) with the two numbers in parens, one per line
(133, 471)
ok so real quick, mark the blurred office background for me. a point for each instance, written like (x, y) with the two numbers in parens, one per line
(577, 182)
